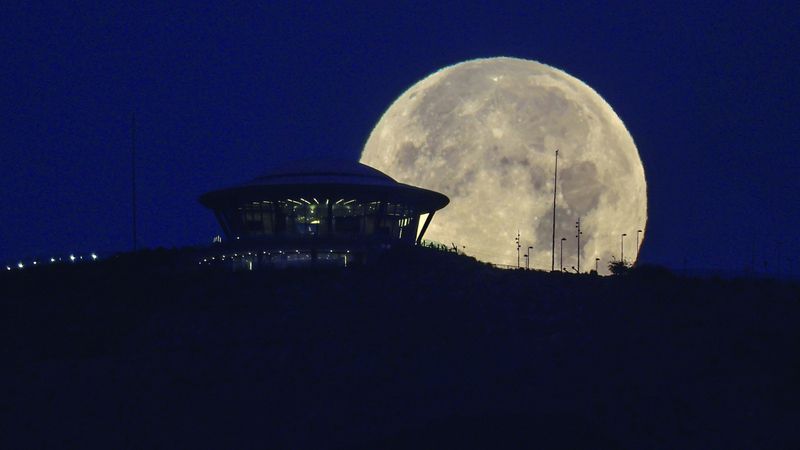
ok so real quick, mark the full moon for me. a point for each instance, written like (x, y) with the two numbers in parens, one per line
(485, 133)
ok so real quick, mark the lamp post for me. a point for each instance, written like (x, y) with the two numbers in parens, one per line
(526, 260)
(529, 253)
(561, 262)
(578, 226)
(638, 232)
(133, 181)
(596, 262)
(622, 247)
(555, 188)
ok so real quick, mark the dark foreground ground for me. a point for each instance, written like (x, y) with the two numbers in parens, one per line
(429, 350)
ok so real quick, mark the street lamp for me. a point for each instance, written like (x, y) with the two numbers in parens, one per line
(578, 226)
(622, 247)
(638, 232)
(526, 260)
(596, 262)
(561, 262)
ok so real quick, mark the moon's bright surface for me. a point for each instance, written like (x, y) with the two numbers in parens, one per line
(484, 133)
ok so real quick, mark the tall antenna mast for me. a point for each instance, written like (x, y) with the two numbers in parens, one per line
(133, 179)
(555, 188)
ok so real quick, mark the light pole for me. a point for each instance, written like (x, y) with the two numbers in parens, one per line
(638, 232)
(596, 262)
(561, 262)
(578, 226)
(622, 247)
(517, 241)
(529, 257)
(133, 181)
(526, 260)
(555, 188)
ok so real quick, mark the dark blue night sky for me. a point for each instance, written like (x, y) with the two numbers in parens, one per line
(709, 91)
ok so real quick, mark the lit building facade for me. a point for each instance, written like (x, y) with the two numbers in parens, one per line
(332, 212)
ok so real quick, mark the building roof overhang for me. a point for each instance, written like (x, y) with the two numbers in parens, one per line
(329, 180)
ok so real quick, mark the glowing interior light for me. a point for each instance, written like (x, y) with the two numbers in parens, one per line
(35, 262)
(348, 202)
(94, 256)
(315, 200)
(339, 201)
(20, 265)
(72, 258)
(8, 267)
(52, 260)
(305, 201)
(327, 200)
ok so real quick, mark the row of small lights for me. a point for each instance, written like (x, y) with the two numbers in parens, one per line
(72, 258)
(237, 255)
(316, 202)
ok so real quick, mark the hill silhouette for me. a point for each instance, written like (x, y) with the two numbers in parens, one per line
(419, 349)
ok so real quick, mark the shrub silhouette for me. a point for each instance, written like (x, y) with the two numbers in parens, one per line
(619, 267)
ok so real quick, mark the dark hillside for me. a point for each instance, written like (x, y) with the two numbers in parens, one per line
(420, 350)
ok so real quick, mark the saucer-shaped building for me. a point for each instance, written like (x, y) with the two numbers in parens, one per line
(334, 212)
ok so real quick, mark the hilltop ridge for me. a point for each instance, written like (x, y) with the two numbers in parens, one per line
(417, 349)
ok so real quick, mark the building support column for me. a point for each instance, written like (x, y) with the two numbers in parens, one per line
(226, 228)
(425, 227)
